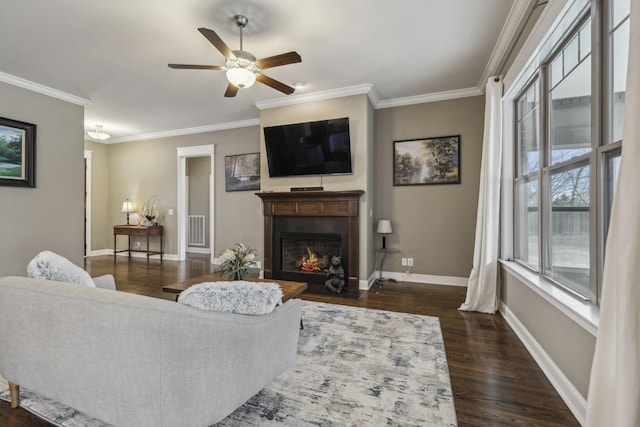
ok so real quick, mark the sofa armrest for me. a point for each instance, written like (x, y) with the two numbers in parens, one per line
(105, 282)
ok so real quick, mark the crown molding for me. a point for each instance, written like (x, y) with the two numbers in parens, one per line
(318, 96)
(367, 89)
(509, 29)
(430, 97)
(186, 131)
(45, 90)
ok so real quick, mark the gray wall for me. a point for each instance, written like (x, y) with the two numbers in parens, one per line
(568, 344)
(434, 224)
(50, 216)
(101, 228)
(138, 170)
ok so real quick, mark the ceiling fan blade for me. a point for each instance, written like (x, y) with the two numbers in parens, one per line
(231, 91)
(278, 60)
(195, 67)
(217, 42)
(288, 90)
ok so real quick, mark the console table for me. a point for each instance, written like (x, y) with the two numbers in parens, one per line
(138, 231)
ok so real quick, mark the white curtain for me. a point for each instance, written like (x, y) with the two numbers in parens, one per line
(482, 288)
(614, 389)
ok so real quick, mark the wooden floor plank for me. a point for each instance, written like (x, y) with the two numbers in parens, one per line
(495, 381)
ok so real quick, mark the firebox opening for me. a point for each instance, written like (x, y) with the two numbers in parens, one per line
(302, 248)
(308, 253)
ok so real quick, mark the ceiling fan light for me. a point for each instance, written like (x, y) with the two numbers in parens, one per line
(241, 77)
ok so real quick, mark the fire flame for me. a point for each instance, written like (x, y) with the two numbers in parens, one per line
(311, 262)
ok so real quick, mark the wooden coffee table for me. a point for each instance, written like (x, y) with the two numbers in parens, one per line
(289, 289)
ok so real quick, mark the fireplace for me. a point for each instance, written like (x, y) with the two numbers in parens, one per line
(304, 256)
(304, 230)
(306, 253)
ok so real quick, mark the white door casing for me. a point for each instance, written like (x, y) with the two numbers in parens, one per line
(183, 154)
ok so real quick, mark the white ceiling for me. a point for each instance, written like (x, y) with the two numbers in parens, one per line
(115, 53)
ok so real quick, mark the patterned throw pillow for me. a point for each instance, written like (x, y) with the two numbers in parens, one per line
(51, 266)
(237, 296)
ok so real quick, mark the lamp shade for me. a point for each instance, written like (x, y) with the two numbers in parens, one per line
(384, 226)
(127, 206)
(241, 77)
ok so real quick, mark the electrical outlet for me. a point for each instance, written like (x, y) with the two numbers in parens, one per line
(138, 245)
(170, 212)
(404, 262)
(410, 262)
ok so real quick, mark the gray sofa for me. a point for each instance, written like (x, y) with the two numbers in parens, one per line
(132, 360)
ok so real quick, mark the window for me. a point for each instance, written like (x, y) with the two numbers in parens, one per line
(612, 165)
(526, 186)
(618, 30)
(568, 144)
(569, 99)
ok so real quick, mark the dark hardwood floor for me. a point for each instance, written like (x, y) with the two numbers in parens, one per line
(494, 379)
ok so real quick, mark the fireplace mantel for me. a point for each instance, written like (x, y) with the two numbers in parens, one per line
(314, 204)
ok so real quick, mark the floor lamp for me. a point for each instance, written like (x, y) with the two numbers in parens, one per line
(384, 228)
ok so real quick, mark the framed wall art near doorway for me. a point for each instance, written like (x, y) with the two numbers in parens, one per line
(427, 161)
(17, 153)
(242, 172)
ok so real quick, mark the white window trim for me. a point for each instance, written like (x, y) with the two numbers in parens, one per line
(581, 312)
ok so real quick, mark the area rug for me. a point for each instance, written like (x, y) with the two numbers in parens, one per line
(355, 367)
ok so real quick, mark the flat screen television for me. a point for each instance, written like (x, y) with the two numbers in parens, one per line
(313, 148)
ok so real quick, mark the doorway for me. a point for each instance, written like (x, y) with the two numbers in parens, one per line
(87, 203)
(183, 196)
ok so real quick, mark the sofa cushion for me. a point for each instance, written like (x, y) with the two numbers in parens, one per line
(51, 266)
(237, 296)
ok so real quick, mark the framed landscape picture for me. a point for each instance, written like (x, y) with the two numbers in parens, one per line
(427, 161)
(242, 172)
(17, 153)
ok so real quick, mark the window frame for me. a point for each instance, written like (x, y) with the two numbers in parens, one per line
(601, 133)
(529, 176)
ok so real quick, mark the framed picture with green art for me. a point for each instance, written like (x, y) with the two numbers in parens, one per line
(17, 153)
(242, 172)
(427, 161)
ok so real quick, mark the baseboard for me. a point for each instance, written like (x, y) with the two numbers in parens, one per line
(99, 252)
(429, 279)
(193, 250)
(363, 285)
(168, 257)
(572, 397)
(423, 278)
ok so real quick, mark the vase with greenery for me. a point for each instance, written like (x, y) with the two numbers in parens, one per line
(150, 211)
(236, 261)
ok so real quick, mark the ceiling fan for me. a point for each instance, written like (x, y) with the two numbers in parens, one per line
(243, 69)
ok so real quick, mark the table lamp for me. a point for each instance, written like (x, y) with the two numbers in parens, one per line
(384, 228)
(127, 206)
